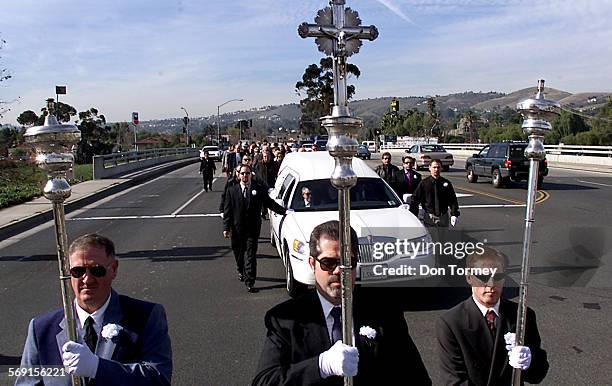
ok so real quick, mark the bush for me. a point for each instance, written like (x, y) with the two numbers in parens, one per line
(19, 182)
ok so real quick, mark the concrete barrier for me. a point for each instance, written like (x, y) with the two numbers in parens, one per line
(117, 164)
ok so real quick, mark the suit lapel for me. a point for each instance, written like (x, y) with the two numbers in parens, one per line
(316, 337)
(478, 334)
(62, 336)
(113, 315)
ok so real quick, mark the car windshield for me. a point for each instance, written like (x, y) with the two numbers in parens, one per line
(368, 193)
(432, 149)
(214, 148)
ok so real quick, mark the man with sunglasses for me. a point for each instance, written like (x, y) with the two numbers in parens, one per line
(242, 220)
(476, 337)
(407, 179)
(303, 344)
(387, 170)
(121, 340)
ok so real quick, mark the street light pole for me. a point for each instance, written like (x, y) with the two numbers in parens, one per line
(219, 120)
(186, 120)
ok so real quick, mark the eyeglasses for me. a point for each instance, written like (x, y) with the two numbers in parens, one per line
(408, 163)
(330, 265)
(246, 159)
(245, 173)
(386, 158)
(307, 193)
(96, 271)
(485, 278)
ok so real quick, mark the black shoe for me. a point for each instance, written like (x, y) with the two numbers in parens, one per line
(240, 277)
(251, 289)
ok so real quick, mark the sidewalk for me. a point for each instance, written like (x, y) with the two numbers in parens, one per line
(19, 218)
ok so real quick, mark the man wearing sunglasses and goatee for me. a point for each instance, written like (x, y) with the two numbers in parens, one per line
(242, 221)
(303, 345)
(476, 337)
(121, 341)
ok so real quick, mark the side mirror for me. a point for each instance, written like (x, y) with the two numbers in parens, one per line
(475, 155)
(407, 198)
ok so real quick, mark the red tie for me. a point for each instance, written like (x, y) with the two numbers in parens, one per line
(491, 316)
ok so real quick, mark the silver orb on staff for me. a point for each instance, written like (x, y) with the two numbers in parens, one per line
(537, 113)
(339, 34)
(53, 144)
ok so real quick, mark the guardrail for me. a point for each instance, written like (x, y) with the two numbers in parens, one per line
(111, 165)
(576, 154)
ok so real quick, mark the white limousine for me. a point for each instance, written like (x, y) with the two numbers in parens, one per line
(377, 215)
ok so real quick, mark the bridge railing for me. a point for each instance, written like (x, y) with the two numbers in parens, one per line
(578, 154)
(110, 165)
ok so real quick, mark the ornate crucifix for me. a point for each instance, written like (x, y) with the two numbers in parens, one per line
(338, 33)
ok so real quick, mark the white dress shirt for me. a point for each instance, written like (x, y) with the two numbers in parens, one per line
(483, 309)
(329, 319)
(97, 316)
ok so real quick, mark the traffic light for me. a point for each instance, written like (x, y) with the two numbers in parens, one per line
(394, 106)
(135, 117)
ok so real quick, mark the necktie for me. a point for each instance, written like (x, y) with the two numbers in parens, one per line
(491, 316)
(91, 337)
(409, 180)
(436, 200)
(336, 313)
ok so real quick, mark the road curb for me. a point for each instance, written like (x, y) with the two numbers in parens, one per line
(27, 223)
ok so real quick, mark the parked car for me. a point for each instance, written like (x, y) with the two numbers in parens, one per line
(424, 153)
(307, 146)
(213, 152)
(503, 162)
(363, 152)
(321, 144)
(377, 215)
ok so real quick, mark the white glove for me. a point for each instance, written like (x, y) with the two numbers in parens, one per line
(79, 360)
(453, 220)
(340, 359)
(520, 357)
(510, 339)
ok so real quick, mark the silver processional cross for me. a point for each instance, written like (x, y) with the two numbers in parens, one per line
(339, 34)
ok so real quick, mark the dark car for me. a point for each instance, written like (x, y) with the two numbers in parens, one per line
(321, 144)
(363, 152)
(503, 162)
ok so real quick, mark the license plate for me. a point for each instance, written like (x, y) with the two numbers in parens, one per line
(367, 272)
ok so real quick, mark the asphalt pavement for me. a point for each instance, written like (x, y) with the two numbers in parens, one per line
(171, 251)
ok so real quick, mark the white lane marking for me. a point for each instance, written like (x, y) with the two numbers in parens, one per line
(492, 206)
(176, 212)
(459, 195)
(194, 215)
(594, 183)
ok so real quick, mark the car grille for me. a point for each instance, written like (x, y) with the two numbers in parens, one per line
(366, 249)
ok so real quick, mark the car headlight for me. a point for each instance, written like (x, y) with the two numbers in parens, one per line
(299, 247)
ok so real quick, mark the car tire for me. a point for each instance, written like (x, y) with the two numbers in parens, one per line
(497, 179)
(294, 287)
(471, 176)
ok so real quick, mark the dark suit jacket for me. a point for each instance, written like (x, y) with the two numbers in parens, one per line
(297, 334)
(470, 356)
(401, 185)
(140, 355)
(243, 219)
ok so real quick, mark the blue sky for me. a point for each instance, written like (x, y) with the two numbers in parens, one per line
(156, 56)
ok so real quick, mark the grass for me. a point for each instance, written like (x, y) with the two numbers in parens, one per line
(21, 182)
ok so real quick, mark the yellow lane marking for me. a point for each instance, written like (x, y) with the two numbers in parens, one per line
(495, 196)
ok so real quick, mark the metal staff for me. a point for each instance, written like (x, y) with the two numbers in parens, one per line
(53, 144)
(537, 112)
(338, 33)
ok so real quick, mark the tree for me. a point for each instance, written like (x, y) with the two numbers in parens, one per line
(433, 118)
(318, 85)
(28, 118)
(4, 75)
(470, 118)
(96, 136)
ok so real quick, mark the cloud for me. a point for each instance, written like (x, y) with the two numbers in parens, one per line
(396, 10)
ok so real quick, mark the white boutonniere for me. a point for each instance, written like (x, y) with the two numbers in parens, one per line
(253, 192)
(445, 184)
(111, 331)
(367, 332)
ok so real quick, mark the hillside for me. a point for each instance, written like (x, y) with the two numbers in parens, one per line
(271, 118)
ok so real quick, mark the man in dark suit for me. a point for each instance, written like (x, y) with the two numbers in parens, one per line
(121, 341)
(386, 170)
(406, 179)
(303, 345)
(306, 200)
(242, 220)
(207, 170)
(476, 337)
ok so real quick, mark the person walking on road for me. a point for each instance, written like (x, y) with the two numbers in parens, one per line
(406, 179)
(242, 221)
(207, 170)
(387, 170)
(437, 197)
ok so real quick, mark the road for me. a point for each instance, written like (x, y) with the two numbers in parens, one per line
(171, 251)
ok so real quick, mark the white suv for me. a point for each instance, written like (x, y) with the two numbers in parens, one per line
(377, 215)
